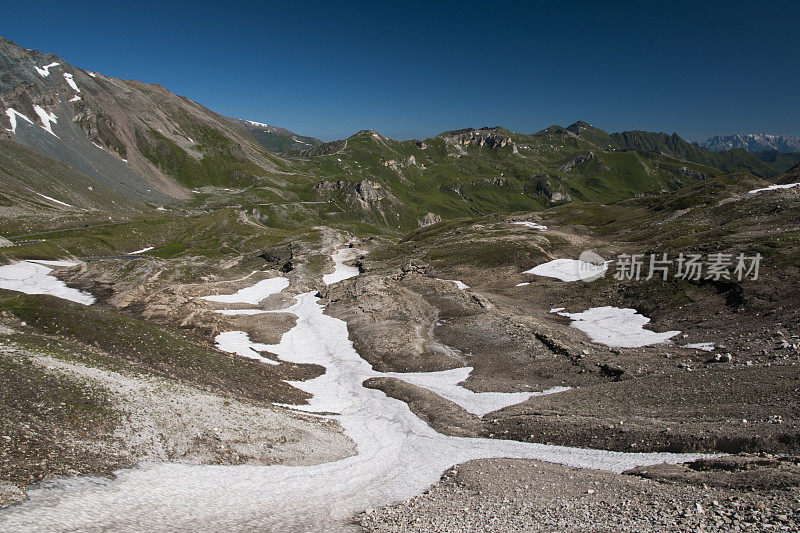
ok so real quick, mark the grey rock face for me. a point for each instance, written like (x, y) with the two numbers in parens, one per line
(753, 142)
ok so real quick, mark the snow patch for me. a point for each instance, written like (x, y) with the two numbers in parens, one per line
(775, 187)
(34, 278)
(532, 225)
(239, 342)
(143, 250)
(12, 117)
(523, 284)
(54, 200)
(48, 119)
(568, 270)
(705, 346)
(45, 70)
(445, 383)
(71, 82)
(57, 263)
(253, 294)
(617, 327)
(460, 284)
(75, 98)
(236, 312)
(340, 270)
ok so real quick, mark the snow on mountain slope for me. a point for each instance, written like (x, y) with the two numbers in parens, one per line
(153, 140)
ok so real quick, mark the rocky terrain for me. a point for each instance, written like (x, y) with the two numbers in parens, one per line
(504, 495)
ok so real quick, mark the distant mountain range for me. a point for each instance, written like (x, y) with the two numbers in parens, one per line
(753, 142)
(72, 139)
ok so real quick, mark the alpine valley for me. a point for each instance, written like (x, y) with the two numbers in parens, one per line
(213, 323)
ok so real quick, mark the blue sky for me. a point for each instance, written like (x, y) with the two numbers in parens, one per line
(412, 70)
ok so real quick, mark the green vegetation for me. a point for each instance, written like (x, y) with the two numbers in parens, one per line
(223, 162)
(50, 423)
(135, 345)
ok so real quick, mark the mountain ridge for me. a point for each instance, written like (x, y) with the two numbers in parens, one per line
(155, 147)
(753, 142)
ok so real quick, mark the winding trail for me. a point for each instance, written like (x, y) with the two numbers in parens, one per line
(398, 456)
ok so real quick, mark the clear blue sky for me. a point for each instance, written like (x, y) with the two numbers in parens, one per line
(416, 69)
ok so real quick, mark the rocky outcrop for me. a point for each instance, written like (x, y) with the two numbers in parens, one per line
(429, 219)
(398, 165)
(577, 160)
(690, 173)
(366, 194)
(544, 187)
(484, 137)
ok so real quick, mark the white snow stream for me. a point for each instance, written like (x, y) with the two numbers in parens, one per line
(397, 456)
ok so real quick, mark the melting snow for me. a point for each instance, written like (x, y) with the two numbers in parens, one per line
(445, 383)
(253, 294)
(239, 342)
(47, 262)
(460, 284)
(705, 346)
(12, 116)
(45, 70)
(92, 74)
(71, 81)
(47, 119)
(557, 309)
(568, 270)
(617, 327)
(54, 200)
(397, 457)
(143, 250)
(75, 98)
(235, 312)
(532, 225)
(35, 278)
(775, 187)
(340, 270)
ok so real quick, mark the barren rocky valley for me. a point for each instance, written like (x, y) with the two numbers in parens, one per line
(209, 323)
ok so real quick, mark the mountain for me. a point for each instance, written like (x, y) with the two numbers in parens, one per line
(753, 142)
(790, 176)
(277, 139)
(140, 139)
(152, 147)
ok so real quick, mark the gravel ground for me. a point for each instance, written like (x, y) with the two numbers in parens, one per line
(512, 495)
(162, 420)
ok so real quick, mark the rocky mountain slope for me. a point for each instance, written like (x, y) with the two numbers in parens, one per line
(480, 171)
(153, 147)
(139, 139)
(753, 142)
